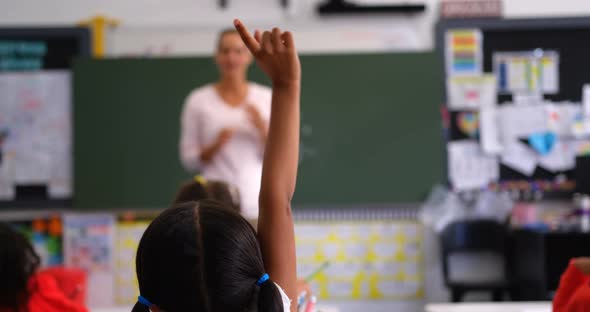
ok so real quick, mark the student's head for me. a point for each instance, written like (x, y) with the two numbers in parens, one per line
(193, 190)
(224, 193)
(200, 256)
(200, 188)
(232, 56)
(18, 262)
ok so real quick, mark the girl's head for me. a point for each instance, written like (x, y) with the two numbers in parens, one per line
(193, 190)
(201, 256)
(18, 262)
(232, 56)
(200, 188)
(224, 193)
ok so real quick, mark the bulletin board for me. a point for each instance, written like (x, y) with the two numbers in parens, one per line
(36, 115)
(558, 51)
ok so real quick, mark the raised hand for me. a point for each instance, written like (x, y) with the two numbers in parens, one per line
(274, 52)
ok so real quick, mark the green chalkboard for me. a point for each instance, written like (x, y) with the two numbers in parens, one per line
(370, 129)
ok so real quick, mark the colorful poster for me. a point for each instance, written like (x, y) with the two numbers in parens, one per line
(89, 245)
(527, 72)
(464, 52)
(367, 260)
(45, 235)
(129, 234)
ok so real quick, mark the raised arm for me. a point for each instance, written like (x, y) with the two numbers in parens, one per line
(276, 55)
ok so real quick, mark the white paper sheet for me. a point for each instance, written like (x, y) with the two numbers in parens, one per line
(471, 92)
(489, 132)
(519, 157)
(469, 167)
(562, 157)
(517, 75)
(89, 244)
(586, 99)
(520, 121)
(7, 191)
(524, 99)
(561, 117)
(527, 71)
(35, 111)
(549, 74)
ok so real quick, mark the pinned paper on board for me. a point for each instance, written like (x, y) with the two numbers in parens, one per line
(520, 121)
(561, 158)
(586, 99)
(526, 72)
(471, 92)
(580, 128)
(468, 123)
(464, 52)
(89, 241)
(489, 136)
(469, 167)
(519, 157)
(582, 148)
(35, 132)
(561, 117)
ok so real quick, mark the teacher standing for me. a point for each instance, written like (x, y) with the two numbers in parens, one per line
(224, 124)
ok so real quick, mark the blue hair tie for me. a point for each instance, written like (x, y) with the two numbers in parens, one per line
(144, 301)
(263, 279)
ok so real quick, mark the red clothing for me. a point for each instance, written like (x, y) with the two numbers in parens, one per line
(573, 294)
(47, 296)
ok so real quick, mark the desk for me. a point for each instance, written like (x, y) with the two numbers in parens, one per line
(539, 259)
(128, 309)
(490, 307)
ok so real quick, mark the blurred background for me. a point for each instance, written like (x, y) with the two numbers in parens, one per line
(444, 144)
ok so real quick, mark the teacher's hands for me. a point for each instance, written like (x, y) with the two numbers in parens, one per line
(225, 135)
(211, 150)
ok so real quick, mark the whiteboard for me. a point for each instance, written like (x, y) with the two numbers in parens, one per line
(36, 132)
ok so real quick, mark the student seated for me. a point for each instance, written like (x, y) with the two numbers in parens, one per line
(22, 288)
(200, 188)
(204, 256)
(573, 293)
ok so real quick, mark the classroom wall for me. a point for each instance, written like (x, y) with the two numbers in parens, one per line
(181, 27)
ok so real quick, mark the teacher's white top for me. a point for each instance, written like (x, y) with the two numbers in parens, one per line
(239, 162)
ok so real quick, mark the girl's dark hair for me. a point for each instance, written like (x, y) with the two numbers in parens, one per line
(191, 191)
(201, 256)
(18, 262)
(222, 192)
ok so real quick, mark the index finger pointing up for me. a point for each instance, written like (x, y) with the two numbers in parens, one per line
(250, 42)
